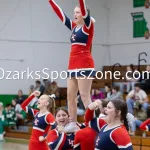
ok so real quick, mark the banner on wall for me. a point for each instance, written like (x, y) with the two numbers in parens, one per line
(141, 3)
(140, 28)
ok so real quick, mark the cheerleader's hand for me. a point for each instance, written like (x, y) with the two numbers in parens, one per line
(37, 93)
(93, 105)
(41, 138)
(99, 103)
(60, 129)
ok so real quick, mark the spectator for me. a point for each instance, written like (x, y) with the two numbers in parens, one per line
(39, 87)
(108, 90)
(31, 90)
(140, 117)
(35, 99)
(55, 89)
(131, 123)
(80, 106)
(130, 80)
(116, 94)
(97, 94)
(52, 89)
(20, 113)
(46, 83)
(10, 115)
(2, 121)
(137, 95)
(145, 82)
(20, 97)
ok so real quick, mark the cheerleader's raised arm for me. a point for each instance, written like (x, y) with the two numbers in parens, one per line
(68, 22)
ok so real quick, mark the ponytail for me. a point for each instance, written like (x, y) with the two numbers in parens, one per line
(121, 105)
(52, 105)
(52, 109)
(126, 124)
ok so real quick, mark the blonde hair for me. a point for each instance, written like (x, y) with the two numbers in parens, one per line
(51, 106)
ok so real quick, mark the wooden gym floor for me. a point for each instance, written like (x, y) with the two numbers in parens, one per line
(14, 144)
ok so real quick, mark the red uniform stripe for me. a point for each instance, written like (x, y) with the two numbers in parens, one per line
(83, 8)
(26, 102)
(143, 126)
(57, 10)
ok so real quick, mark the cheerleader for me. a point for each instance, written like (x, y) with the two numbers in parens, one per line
(84, 139)
(43, 119)
(3, 121)
(83, 143)
(112, 128)
(21, 114)
(57, 139)
(81, 63)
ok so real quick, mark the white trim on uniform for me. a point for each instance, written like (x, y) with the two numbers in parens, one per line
(82, 69)
(71, 24)
(56, 132)
(64, 19)
(85, 32)
(52, 123)
(112, 133)
(76, 145)
(39, 129)
(98, 124)
(79, 44)
(147, 129)
(121, 146)
(26, 109)
(32, 112)
(59, 143)
(45, 118)
(50, 143)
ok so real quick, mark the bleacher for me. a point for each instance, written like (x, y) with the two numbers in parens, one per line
(139, 142)
(99, 83)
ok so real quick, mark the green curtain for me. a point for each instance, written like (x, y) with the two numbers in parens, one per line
(6, 98)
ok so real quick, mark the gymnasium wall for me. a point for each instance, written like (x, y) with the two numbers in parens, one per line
(33, 38)
(123, 48)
